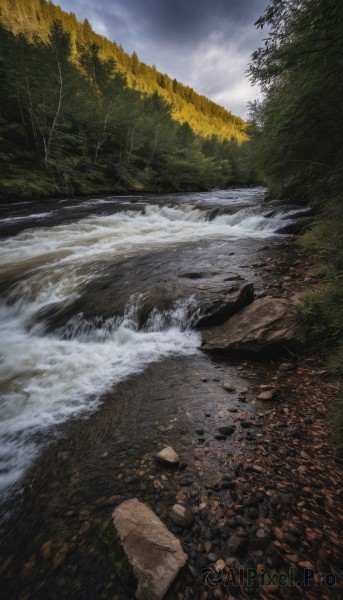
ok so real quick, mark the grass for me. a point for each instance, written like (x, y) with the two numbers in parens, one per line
(320, 313)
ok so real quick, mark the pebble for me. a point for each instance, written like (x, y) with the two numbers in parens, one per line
(219, 565)
(236, 545)
(267, 395)
(212, 558)
(168, 456)
(246, 424)
(181, 515)
(228, 387)
(226, 430)
(46, 549)
(287, 367)
(28, 566)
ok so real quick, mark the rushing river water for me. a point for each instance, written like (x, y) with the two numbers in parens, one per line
(55, 253)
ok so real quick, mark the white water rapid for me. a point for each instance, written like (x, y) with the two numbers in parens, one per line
(45, 379)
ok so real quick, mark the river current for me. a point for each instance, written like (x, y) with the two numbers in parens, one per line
(52, 251)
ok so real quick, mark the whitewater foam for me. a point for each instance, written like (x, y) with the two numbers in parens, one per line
(47, 379)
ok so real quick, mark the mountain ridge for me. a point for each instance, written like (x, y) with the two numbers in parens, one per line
(205, 117)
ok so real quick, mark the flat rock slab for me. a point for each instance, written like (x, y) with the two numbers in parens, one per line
(207, 299)
(154, 553)
(265, 325)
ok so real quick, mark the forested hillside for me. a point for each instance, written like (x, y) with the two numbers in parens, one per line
(71, 124)
(35, 17)
(298, 146)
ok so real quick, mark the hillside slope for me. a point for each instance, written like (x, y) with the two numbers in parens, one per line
(35, 17)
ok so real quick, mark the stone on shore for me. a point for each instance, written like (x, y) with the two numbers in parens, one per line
(153, 552)
(181, 515)
(228, 387)
(267, 395)
(168, 456)
(266, 325)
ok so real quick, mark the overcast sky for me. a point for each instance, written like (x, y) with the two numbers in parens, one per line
(202, 43)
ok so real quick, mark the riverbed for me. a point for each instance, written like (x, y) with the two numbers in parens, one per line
(91, 389)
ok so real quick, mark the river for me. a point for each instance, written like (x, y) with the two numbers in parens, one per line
(76, 278)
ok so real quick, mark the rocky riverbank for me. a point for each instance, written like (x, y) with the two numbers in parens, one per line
(258, 473)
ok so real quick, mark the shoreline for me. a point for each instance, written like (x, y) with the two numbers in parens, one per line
(280, 499)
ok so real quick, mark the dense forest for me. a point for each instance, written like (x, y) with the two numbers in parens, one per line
(297, 144)
(71, 124)
(34, 18)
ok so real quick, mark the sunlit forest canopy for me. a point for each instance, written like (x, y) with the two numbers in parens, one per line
(206, 118)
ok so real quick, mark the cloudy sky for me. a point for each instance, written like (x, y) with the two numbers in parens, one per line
(203, 43)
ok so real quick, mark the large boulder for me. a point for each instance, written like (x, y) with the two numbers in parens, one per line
(154, 553)
(266, 325)
(219, 299)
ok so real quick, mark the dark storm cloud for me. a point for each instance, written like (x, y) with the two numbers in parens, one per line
(203, 43)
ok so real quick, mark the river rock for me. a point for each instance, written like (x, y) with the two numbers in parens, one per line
(154, 553)
(207, 298)
(226, 430)
(265, 325)
(168, 456)
(181, 515)
(267, 395)
(228, 387)
(218, 300)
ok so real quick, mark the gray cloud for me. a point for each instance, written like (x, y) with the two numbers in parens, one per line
(204, 44)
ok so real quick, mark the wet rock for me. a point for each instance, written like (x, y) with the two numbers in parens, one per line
(252, 500)
(265, 325)
(274, 560)
(253, 512)
(194, 572)
(185, 482)
(236, 545)
(246, 424)
(260, 543)
(226, 430)
(181, 515)
(228, 387)
(228, 485)
(168, 457)
(216, 297)
(143, 537)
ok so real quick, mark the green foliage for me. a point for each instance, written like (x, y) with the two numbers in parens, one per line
(320, 317)
(298, 141)
(297, 145)
(71, 125)
(34, 18)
